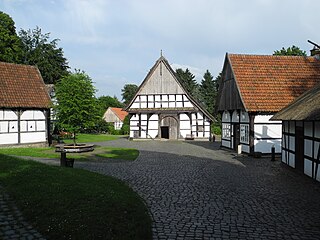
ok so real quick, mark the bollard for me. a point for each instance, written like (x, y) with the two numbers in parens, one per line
(239, 149)
(273, 153)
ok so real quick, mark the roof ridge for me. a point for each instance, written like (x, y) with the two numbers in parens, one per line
(18, 64)
(266, 55)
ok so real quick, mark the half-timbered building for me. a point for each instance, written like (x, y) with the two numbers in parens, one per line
(162, 108)
(301, 133)
(255, 87)
(115, 116)
(24, 105)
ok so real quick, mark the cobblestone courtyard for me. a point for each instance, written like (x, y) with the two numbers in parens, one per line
(196, 191)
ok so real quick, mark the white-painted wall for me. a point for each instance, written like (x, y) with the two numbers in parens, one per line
(267, 133)
(32, 127)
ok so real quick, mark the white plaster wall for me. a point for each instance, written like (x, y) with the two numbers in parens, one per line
(308, 167)
(244, 117)
(226, 116)
(33, 137)
(9, 115)
(264, 146)
(308, 129)
(292, 160)
(292, 144)
(4, 126)
(245, 148)
(225, 143)
(268, 131)
(316, 147)
(184, 125)
(308, 148)
(283, 156)
(152, 133)
(184, 116)
(235, 116)
(135, 105)
(10, 138)
(13, 126)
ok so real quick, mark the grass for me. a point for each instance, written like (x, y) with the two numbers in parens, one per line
(65, 203)
(102, 152)
(85, 138)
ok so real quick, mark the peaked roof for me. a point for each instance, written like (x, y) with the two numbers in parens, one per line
(269, 83)
(305, 107)
(180, 85)
(121, 114)
(21, 86)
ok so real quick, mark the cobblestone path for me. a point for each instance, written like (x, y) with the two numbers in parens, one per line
(12, 223)
(196, 191)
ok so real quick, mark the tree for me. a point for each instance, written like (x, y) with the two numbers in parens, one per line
(76, 109)
(208, 92)
(187, 79)
(128, 92)
(105, 102)
(10, 44)
(45, 54)
(290, 51)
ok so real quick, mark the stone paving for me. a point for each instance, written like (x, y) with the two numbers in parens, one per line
(196, 191)
(12, 223)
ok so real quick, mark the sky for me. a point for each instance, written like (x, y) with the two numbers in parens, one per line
(116, 42)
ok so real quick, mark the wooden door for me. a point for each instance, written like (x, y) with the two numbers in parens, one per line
(236, 136)
(165, 132)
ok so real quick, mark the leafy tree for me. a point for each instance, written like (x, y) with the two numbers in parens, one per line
(39, 50)
(126, 125)
(128, 92)
(76, 109)
(290, 51)
(208, 92)
(106, 101)
(10, 44)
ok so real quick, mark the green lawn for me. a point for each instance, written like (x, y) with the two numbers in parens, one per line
(102, 152)
(86, 138)
(65, 203)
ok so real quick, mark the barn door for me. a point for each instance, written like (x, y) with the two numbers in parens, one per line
(299, 148)
(169, 128)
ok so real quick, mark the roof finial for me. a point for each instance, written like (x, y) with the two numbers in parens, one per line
(161, 52)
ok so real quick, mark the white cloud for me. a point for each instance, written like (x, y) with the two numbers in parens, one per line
(117, 42)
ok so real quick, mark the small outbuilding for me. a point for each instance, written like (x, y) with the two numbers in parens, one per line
(24, 105)
(255, 87)
(301, 133)
(115, 116)
(163, 109)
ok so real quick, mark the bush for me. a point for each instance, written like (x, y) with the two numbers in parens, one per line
(216, 129)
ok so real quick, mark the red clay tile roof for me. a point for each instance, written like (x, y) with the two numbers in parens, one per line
(269, 83)
(21, 86)
(120, 113)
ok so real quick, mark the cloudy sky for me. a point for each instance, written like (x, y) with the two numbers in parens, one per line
(117, 41)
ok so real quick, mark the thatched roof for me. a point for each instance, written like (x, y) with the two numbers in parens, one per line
(305, 107)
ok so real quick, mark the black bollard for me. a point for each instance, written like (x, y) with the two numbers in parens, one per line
(273, 153)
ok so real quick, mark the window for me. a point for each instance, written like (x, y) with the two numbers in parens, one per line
(226, 130)
(244, 133)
